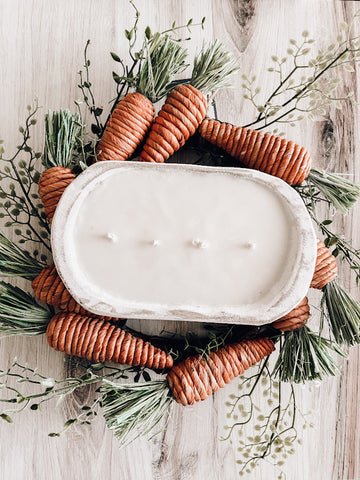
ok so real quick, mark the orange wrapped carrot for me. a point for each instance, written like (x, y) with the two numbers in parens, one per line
(100, 341)
(196, 378)
(185, 107)
(52, 185)
(260, 151)
(49, 288)
(326, 267)
(295, 319)
(134, 114)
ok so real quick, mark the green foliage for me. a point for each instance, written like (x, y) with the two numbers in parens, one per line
(133, 410)
(63, 136)
(213, 68)
(274, 422)
(164, 58)
(339, 191)
(343, 314)
(304, 81)
(20, 314)
(20, 206)
(16, 262)
(305, 356)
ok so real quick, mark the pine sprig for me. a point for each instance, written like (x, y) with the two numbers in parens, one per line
(343, 314)
(20, 314)
(339, 191)
(16, 262)
(164, 58)
(133, 410)
(213, 68)
(63, 135)
(305, 356)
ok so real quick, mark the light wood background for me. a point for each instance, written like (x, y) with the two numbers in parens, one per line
(41, 47)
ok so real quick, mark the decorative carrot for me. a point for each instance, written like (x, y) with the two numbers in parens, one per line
(63, 132)
(134, 114)
(49, 288)
(185, 107)
(295, 319)
(131, 410)
(259, 150)
(100, 341)
(196, 378)
(326, 268)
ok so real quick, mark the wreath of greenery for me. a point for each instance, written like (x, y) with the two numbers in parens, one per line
(305, 86)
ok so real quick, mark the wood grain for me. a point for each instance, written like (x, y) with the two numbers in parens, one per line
(41, 47)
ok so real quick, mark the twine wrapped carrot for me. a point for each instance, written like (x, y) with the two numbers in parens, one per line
(126, 128)
(134, 114)
(295, 319)
(49, 288)
(52, 185)
(196, 378)
(260, 151)
(99, 341)
(185, 107)
(326, 268)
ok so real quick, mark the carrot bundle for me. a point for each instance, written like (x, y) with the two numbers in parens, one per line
(196, 378)
(134, 114)
(260, 151)
(99, 341)
(295, 319)
(185, 106)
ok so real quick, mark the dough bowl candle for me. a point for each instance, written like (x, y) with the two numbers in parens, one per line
(183, 242)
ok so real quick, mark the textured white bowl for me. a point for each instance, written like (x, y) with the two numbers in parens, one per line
(294, 290)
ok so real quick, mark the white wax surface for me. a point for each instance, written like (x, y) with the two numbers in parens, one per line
(183, 238)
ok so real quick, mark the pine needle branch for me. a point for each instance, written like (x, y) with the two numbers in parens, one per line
(16, 262)
(20, 314)
(343, 314)
(213, 68)
(305, 356)
(63, 135)
(340, 192)
(134, 410)
(164, 58)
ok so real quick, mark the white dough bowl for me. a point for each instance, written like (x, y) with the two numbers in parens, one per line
(183, 242)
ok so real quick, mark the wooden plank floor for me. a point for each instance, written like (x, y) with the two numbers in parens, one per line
(41, 48)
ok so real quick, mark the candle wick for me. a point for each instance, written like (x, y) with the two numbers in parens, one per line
(199, 243)
(112, 236)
